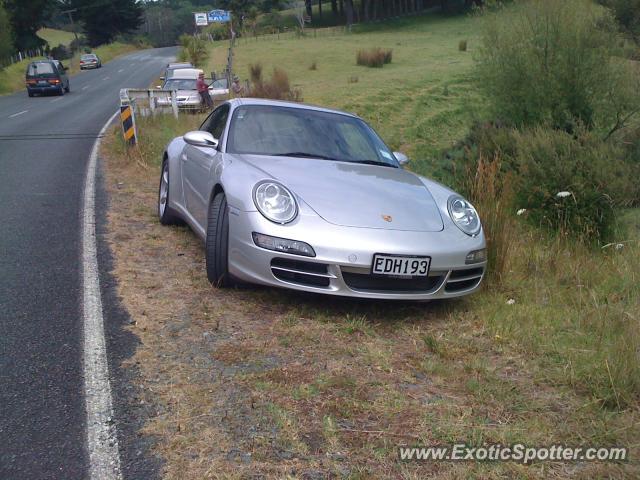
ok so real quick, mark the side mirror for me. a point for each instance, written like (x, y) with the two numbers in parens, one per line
(401, 157)
(198, 138)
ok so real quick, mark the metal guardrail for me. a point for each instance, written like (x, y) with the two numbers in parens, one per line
(149, 101)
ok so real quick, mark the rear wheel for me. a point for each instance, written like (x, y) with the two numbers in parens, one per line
(167, 215)
(30, 93)
(68, 88)
(61, 91)
(217, 244)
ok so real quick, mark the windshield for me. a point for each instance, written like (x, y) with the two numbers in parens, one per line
(298, 132)
(180, 84)
(38, 69)
(88, 57)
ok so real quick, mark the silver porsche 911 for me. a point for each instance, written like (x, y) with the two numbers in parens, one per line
(307, 198)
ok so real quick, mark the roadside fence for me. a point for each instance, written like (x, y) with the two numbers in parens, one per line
(20, 56)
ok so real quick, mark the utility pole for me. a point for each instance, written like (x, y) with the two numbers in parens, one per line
(73, 25)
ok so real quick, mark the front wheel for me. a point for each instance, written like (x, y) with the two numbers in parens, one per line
(217, 244)
(165, 212)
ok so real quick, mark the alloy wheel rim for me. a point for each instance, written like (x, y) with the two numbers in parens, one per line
(164, 190)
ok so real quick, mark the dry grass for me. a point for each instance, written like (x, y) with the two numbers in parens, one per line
(374, 57)
(277, 87)
(267, 382)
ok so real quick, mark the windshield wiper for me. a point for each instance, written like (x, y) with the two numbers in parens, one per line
(375, 162)
(302, 154)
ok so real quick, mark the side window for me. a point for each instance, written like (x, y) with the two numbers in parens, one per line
(216, 122)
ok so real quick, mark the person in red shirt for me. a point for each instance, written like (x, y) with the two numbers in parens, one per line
(203, 90)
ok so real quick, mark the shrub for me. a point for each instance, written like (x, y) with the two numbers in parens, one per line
(60, 52)
(538, 164)
(255, 72)
(462, 45)
(550, 62)
(194, 50)
(570, 183)
(374, 57)
(313, 66)
(277, 87)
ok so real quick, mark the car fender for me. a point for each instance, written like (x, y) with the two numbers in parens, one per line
(173, 152)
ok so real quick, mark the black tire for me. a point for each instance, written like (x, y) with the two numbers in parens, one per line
(61, 92)
(68, 88)
(30, 93)
(168, 216)
(217, 244)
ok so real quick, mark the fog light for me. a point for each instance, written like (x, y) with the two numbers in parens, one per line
(283, 245)
(477, 256)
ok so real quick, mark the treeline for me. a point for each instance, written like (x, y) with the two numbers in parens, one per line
(164, 21)
(98, 21)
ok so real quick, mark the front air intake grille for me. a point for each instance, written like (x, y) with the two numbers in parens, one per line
(308, 274)
(368, 282)
(466, 279)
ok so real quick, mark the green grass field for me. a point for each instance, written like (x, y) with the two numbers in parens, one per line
(55, 37)
(421, 103)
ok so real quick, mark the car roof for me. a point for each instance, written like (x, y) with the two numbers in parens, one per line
(186, 73)
(179, 65)
(282, 103)
(88, 55)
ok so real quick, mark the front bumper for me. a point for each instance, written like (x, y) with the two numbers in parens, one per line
(344, 255)
(191, 104)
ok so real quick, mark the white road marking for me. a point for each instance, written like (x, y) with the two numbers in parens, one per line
(19, 113)
(85, 87)
(102, 441)
(57, 99)
(105, 78)
(121, 70)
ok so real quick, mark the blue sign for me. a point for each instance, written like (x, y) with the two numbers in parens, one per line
(219, 16)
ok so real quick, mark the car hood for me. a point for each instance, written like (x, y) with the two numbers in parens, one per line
(356, 195)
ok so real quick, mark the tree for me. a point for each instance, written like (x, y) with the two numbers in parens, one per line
(103, 21)
(26, 17)
(627, 13)
(6, 42)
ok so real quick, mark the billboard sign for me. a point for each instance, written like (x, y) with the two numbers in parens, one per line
(218, 16)
(201, 19)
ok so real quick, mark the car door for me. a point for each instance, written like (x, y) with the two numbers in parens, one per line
(198, 163)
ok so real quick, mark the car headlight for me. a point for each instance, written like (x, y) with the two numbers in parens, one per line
(464, 215)
(275, 202)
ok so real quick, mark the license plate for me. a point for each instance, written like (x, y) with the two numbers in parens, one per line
(400, 265)
(43, 82)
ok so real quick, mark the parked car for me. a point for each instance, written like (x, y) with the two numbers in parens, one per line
(183, 82)
(46, 76)
(307, 198)
(90, 60)
(172, 67)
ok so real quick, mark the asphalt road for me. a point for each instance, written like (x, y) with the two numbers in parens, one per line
(45, 143)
